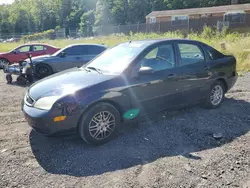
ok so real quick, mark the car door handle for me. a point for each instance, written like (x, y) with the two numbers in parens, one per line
(78, 58)
(171, 76)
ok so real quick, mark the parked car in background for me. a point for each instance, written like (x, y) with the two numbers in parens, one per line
(130, 79)
(20, 53)
(71, 56)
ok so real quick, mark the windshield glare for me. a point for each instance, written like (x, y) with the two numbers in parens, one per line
(116, 59)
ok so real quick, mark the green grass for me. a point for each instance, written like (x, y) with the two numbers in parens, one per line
(236, 44)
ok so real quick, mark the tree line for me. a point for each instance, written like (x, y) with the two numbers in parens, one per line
(24, 16)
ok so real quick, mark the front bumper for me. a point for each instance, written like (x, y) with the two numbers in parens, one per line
(42, 121)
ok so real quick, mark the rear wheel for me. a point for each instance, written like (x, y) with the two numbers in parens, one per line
(215, 96)
(43, 70)
(21, 80)
(100, 124)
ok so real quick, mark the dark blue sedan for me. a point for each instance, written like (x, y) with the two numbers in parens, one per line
(129, 80)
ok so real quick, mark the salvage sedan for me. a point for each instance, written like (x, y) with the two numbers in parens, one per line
(71, 56)
(129, 80)
(20, 53)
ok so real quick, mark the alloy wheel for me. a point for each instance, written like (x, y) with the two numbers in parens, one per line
(102, 125)
(217, 95)
(2, 62)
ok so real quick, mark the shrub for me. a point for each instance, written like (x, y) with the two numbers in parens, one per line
(49, 34)
(207, 33)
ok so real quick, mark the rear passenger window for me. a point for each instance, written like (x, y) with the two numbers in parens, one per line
(190, 54)
(38, 48)
(212, 53)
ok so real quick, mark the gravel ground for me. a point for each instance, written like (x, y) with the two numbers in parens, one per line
(176, 149)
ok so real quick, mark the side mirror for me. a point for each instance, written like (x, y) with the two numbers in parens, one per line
(14, 51)
(145, 71)
(62, 54)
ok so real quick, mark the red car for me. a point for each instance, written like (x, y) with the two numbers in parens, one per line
(20, 53)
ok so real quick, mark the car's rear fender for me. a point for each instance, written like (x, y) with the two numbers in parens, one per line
(224, 70)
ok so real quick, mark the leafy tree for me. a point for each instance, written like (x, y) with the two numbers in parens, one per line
(25, 16)
(87, 22)
(102, 15)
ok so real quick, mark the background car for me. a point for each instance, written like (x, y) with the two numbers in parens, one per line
(131, 79)
(20, 53)
(71, 56)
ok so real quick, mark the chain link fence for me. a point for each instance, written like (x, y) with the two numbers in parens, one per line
(187, 26)
(191, 25)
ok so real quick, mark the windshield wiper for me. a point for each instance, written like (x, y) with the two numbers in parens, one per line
(95, 69)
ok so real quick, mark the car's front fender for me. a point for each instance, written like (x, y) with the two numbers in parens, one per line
(120, 100)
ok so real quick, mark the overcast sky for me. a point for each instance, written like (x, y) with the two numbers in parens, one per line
(6, 1)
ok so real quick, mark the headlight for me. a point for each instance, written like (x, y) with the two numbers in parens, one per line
(46, 103)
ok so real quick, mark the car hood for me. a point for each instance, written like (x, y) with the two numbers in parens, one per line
(43, 58)
(66, 82)
(3, 53)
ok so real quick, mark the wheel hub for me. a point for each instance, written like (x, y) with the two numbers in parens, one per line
(102, 125)
(217, 95)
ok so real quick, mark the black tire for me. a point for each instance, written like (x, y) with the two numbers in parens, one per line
(208, 101)
(86, 121)
(43, 70)
(21, 80)
(9, 78)
(30, 78)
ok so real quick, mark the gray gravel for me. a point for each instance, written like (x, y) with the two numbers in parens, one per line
(192, 147)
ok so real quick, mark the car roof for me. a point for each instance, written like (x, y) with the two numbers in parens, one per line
(38, 44)
(87, 44)
(153, 41)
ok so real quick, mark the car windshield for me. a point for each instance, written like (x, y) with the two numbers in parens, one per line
(116, 59)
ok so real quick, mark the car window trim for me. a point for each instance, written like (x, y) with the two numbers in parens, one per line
(37, 50)
(191, 43)
(146, 51)
(23, 47)
(204, 46)
(70, 48)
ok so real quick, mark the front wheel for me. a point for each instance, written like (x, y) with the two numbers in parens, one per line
(43, 71)
(100, 124)
(215, 96)
(3, 62)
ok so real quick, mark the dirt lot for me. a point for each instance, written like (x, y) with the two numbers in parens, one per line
(176, 149)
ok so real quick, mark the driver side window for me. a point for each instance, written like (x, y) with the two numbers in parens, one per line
(160, 58)
(23, 49)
